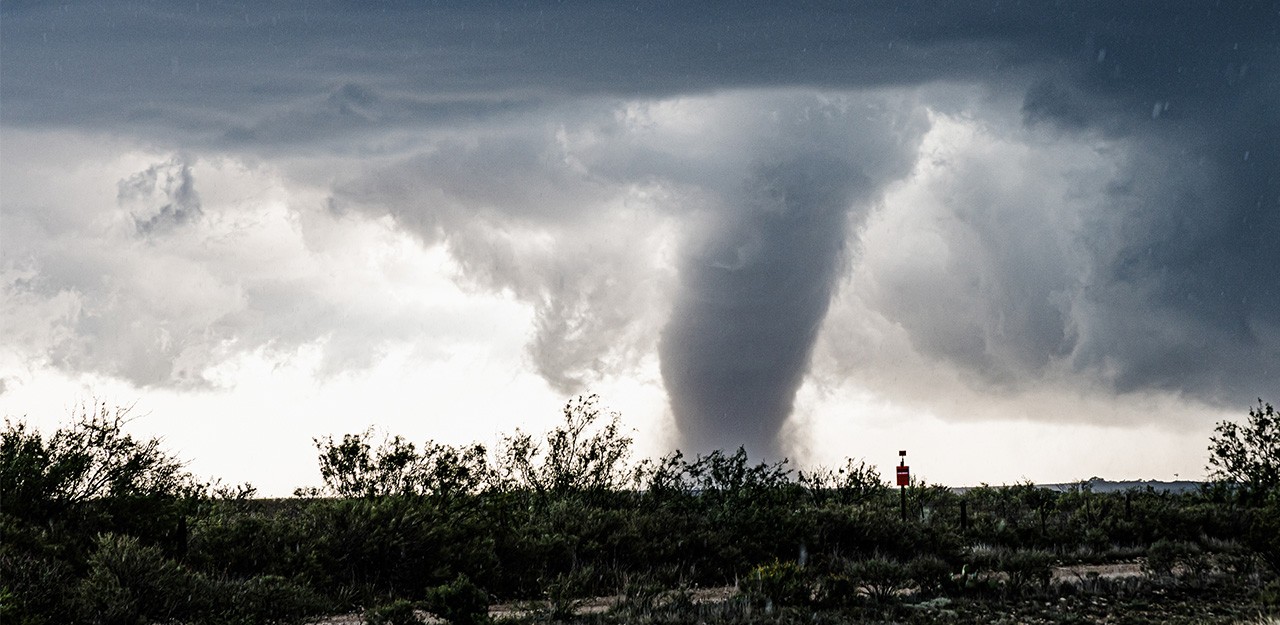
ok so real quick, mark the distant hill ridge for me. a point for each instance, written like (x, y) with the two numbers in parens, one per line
(1100, 485)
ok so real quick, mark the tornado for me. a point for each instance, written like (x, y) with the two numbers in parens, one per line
(752, 296)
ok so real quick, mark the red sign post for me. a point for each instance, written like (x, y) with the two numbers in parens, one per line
(904, 480)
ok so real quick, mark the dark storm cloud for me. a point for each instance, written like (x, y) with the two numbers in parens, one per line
(1188, 273)
(1170, 280)
(223, 69)
(226, 70)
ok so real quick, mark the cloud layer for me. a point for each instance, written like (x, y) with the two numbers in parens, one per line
(1078, 199)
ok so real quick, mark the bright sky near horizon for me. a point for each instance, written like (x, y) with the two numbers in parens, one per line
(1023, 242)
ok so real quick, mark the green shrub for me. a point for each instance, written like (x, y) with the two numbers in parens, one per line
(388, 546)
(398, 612)
(460, 602)
(1269, 595)
(931, 574)
(90, 460)
(587, 454)
(34, 585)
(244, 544)
(654, 598)
(835, 589)
(1263, 535)
(864, 532)
(778, 584)
(9, 606)
(854, 483)
(267, 599)
(128, 583)
(564, 593)
(882, 578)
(1165, 555)
(1245, 455)
(1026, 568)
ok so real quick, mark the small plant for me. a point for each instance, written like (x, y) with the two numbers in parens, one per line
(268, 599)
(1269, 595)
(645, 598)
(835, 589)
(973, 579)
(931, 574)
(1026, 568)
(1263, 536)
(1165, 556)
(398, 612)
(460, 602)
(639, 595)
(129, 583)
(564, 594)
(34, 580)
(778, 584)
(882, 578)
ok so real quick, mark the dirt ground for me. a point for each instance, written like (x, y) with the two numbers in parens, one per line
(1076, 573)
(1105, 571)
(592, 605)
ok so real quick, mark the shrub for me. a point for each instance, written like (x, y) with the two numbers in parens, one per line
(854, 483)
(33, 578)
(1165, 555)
(1026, 568)
(863, 532)
(95, 477)
(240, 543)
(1249, 455)
(640, 595)
(564, 593)
(835, 589)
(931, 574)
(354, 467)
(460, 602)
(584, 455)
(267, 599)
(1263, 535)
(390, 546)
(398, 612)
(130, 583)
(1269, 595)
(882, 578)
(779, 584)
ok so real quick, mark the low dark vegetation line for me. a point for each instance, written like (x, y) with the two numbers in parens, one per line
(99, 527)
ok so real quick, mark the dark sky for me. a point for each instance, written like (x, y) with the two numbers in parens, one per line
(1111, 232)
